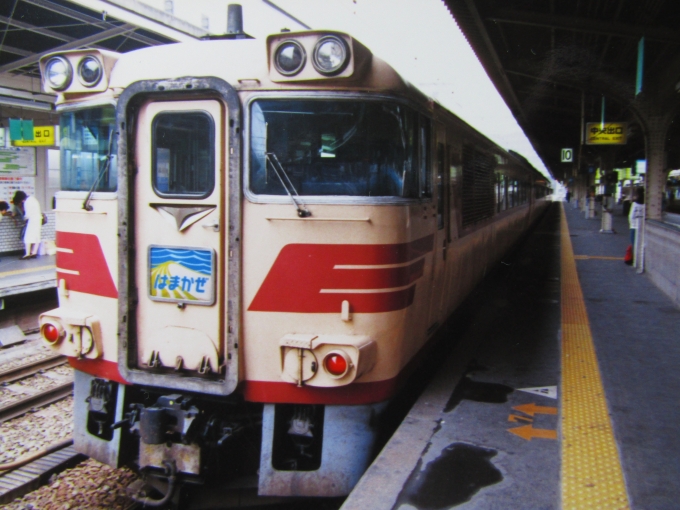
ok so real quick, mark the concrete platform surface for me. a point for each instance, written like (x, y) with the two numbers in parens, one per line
(19, 276)
(488, 431)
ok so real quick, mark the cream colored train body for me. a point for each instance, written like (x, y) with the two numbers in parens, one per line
(260, 238)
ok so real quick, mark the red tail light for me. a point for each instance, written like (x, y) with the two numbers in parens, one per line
(336, 364)
(51, 333)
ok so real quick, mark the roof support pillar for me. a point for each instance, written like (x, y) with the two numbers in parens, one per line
(657, 127)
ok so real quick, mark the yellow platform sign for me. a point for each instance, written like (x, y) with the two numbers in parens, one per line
(609, 133)
(42, 136)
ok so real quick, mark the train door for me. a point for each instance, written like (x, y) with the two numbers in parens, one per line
(179, 219)
(441, 235)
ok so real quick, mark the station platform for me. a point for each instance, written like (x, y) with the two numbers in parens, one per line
(561, 390)
(19, 276)
(27, 288)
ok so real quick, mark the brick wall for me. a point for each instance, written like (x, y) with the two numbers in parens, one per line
(10, 233)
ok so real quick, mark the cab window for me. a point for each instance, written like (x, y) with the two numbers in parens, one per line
(183, 154)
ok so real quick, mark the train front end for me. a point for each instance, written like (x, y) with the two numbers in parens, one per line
(244, 243)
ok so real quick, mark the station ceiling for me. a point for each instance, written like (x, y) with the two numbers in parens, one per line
(553, 61)
(30, 29)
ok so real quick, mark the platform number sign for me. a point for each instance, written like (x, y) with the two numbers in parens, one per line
(567, 155)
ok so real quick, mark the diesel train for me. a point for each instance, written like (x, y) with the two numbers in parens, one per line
(256, 241)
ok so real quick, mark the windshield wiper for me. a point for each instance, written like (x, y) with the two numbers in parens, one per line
(107, 165)
(302, 210)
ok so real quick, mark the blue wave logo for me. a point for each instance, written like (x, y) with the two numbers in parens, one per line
(196, 260)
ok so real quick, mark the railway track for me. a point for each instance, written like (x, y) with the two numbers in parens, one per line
(33, 470)
(15, 373)
(41, 398)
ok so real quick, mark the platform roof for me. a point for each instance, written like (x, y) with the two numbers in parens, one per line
(30, 29)
(551, 60)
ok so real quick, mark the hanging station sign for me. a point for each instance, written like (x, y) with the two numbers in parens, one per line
(42, 136)
(609, 133)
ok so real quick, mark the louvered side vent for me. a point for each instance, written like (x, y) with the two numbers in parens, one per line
(478, 185)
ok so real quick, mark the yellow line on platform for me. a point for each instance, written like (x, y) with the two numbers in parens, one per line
(591, 470)
(596, 257)
(27, 270)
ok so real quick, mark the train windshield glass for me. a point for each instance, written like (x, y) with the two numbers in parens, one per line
(86, 136)
(333, 147)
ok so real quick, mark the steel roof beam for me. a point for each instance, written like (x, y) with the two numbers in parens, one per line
(37, 30)
(585, 25)
(78, 43)
(540, 78)
(86, 18)
(16, 51)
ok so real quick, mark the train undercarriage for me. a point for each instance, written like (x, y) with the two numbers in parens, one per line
(179, 441)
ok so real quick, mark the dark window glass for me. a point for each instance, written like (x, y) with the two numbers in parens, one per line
(478, 185)
(183, 154)
(333, 147)
(440, 185)
(86, 136)
(425, 173)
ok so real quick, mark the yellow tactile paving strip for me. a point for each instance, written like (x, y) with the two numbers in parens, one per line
(28, 270)
(591, 469)
(595, 257)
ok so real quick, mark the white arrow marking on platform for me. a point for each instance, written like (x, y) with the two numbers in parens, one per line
(546, 391)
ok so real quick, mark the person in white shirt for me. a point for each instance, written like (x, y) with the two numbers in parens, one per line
(33, 216)
(637, 211)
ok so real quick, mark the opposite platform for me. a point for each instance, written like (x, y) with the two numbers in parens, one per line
(19, 276)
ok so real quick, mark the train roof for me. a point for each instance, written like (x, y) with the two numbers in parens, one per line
(246, 64)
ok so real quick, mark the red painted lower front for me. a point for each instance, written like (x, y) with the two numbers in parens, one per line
(354, 394)
(98, 368)
(274, 392)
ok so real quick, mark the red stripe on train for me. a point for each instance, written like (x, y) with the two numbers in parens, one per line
(305, 277)
(352, 394)
(98, 368)
(88, 261)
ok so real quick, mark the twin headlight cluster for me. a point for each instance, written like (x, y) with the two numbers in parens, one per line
(77, 71)
(330, 56)
(313, 55)
(59, 73)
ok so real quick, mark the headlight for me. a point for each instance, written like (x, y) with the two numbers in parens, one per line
(331, 55)
(58, 73)
(289, 58)
(89, 71)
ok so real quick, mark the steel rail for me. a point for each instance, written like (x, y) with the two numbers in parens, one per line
(49, 396)
(31, 456)
(32, 368)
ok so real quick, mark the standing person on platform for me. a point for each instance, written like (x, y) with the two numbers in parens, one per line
(16, 210)
(4, 209)
(637, 211)
(33, 215)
